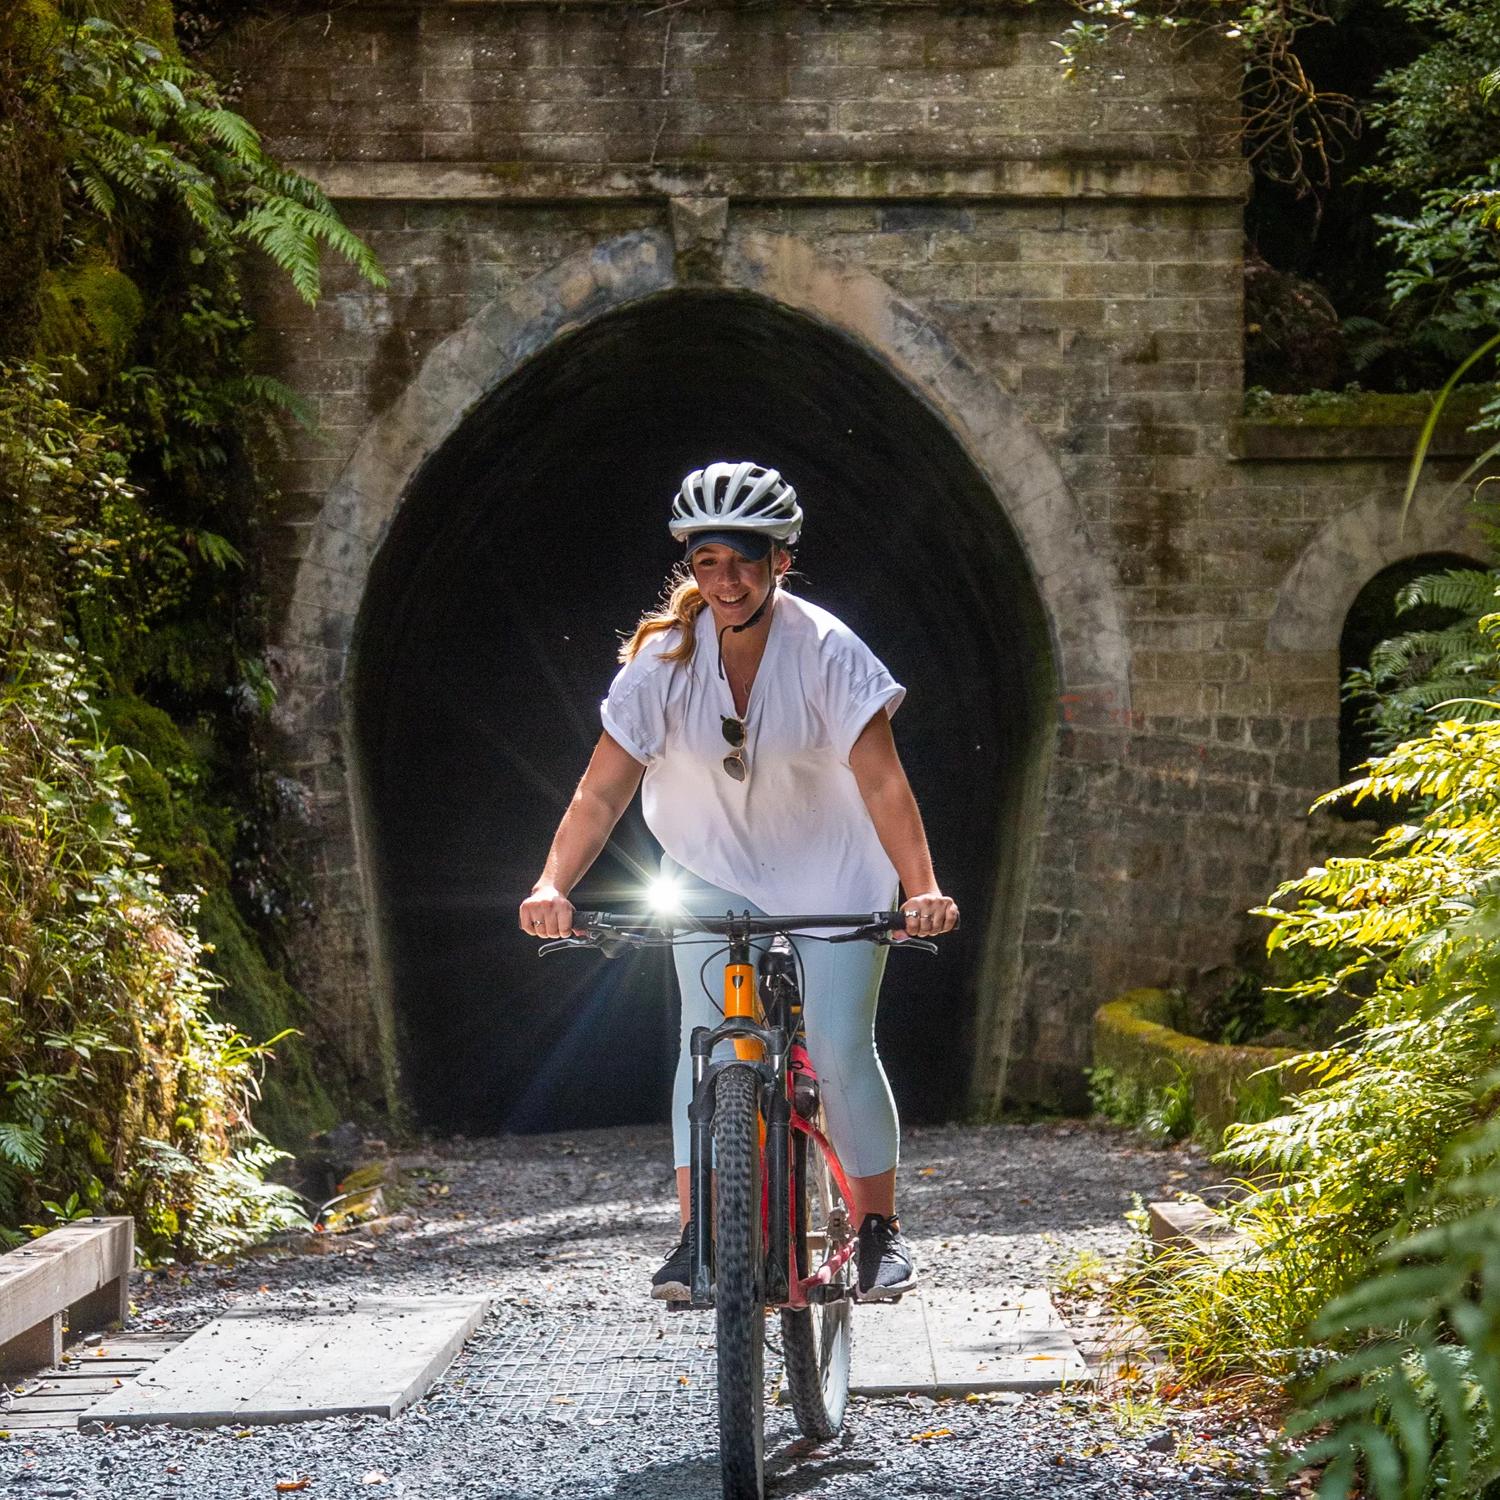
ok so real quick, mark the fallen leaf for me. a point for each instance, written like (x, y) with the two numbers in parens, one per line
(929, 1436)
(244, 1432)
(373, 1477)
(284, 1486)
(683, 1380)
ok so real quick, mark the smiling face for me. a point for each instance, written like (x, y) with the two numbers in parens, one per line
(734, 588)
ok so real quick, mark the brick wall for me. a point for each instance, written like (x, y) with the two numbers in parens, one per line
(1080, 242)
(582, 82)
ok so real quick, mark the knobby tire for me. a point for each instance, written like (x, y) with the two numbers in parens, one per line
(817, 1340)
(739, 1283)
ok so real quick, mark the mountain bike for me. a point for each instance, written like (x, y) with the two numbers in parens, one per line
(772, 1227)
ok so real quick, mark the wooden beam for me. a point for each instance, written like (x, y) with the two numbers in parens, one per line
(84, 1266)
(1196, 1227)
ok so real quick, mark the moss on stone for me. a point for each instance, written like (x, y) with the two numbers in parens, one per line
(31, 166)
(191, 836)
(1136, 1038)
(89, 313)
(1356, 408)
(295, 1103)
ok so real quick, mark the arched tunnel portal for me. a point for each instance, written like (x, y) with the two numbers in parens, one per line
(488, 635)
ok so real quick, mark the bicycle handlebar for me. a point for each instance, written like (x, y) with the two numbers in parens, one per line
(610, 932)
(737, 923)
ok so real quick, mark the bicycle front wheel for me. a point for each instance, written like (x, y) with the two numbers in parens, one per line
(818, 1340)
(739, 1283)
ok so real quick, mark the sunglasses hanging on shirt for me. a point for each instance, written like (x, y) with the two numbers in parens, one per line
(734, 735)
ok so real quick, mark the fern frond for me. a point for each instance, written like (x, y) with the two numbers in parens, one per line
(21, 1145)
(231, 130)
(1471, 590)
(266, 390)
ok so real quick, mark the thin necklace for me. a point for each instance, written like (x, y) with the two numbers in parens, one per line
(764, 605)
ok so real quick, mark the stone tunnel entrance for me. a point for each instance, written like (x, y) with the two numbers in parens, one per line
(488, 636)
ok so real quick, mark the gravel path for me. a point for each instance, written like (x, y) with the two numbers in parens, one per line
(571, 1227)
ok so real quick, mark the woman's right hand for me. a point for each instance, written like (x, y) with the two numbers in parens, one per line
(547, 913)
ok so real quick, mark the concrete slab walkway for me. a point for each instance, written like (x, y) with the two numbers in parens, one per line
(953, 1342)
(376, 1355)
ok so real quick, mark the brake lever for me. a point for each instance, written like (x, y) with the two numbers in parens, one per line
(557, 944)
(924, 944)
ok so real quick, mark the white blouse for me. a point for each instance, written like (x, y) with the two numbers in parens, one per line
(795, 835)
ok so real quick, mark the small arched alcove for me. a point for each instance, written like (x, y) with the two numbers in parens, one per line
(1373, 617)
(488, 634)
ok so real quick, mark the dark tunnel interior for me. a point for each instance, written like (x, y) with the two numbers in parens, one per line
(488, 637)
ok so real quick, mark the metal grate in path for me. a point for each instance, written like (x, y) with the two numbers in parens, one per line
(589, 1368)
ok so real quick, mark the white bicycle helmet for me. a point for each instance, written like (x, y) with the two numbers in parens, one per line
(736, 497)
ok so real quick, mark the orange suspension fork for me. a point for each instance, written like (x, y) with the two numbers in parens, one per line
(739, 1002)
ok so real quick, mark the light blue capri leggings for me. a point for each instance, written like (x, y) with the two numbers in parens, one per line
(842, 987)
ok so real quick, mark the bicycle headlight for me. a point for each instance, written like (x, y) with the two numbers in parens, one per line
(664, 894)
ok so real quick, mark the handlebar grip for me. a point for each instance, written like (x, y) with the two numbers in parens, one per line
(897, 920)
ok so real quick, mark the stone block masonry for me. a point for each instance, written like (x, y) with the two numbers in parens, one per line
(1067, 253)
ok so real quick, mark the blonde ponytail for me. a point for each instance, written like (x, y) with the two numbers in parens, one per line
(680, 607)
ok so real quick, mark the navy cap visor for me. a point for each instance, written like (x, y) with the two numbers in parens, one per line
(751, 545)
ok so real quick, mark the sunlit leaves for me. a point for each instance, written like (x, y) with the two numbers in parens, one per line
(142, 126)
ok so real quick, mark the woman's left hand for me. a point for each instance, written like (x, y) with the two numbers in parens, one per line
(929, 914)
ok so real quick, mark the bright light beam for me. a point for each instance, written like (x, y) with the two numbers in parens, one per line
(664, 894)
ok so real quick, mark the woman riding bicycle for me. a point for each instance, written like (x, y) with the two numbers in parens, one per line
(761, 725)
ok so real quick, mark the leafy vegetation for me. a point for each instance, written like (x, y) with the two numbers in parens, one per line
(1161, 1112)
(143, 887)
(1449, 669)
(1371, 127)
(1373, 1200)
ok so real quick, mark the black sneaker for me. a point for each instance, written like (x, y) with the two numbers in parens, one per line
(673, 1282)
(885, 1264)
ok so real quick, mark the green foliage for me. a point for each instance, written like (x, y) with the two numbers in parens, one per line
(141, 127)
(141, 882)
(1151, 1074)
(90, 313)
(1452, 669)
(107, 1043)
(1439, 112)
(1373, 1236)
(108, 1046)
(1161, 1112)
(1412, 1409)
(1431, 181)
